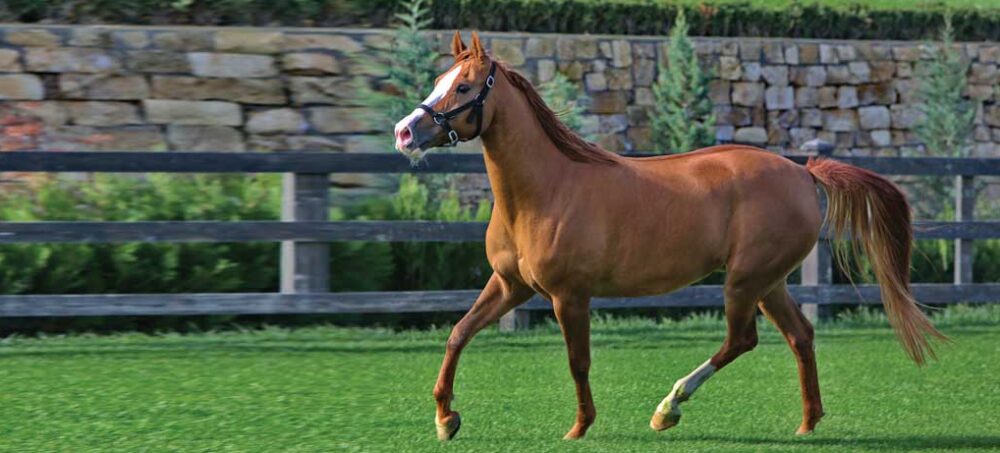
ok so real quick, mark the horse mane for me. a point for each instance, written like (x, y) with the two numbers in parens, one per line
(567, 142)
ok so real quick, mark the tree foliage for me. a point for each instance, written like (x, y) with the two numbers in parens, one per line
(682, 118)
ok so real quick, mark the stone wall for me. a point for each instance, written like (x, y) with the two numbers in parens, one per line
(190, 88)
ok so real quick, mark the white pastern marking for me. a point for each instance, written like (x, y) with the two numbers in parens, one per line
(440, 90)
(685, 387)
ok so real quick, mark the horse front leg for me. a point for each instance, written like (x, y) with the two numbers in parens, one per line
(497, 298)
(574, 320)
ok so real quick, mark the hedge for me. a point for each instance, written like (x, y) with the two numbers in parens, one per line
(829, 19)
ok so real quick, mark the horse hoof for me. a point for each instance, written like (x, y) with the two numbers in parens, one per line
(803, 431)
(447, 429)
(662, 421)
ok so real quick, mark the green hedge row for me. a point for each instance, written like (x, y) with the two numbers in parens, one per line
(832, 20)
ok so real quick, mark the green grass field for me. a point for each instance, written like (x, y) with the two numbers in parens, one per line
(339, 389)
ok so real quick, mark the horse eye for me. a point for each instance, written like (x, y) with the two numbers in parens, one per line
(463, 88)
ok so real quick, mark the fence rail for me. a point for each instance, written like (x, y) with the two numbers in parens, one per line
(304, 233)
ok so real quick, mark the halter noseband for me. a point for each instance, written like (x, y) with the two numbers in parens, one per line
(476, 104)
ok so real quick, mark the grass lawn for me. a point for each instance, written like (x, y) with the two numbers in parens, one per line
(340, 389)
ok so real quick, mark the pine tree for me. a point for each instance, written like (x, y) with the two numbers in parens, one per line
(948, 116)
(682, 118)
(410, 65)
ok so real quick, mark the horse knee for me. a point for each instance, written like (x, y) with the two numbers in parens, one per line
(580, 369)
(802, 345)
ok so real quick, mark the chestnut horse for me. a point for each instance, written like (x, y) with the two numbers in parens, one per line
(572, 221)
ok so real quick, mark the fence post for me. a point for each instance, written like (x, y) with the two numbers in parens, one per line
(516, 319)
(305, 266)
(965, 204)
(817, 270)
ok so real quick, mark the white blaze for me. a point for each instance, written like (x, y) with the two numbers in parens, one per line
(440, 90)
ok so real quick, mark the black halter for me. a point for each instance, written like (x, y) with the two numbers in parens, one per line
(476, 104)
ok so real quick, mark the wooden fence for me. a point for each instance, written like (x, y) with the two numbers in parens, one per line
(305, 232)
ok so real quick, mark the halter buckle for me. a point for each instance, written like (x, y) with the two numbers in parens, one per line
(490, 81)
(439, 119)
(453, 136)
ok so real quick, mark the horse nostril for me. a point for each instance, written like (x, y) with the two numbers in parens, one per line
(406, 135)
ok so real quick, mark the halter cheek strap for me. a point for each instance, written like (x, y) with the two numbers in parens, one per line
(476, 104)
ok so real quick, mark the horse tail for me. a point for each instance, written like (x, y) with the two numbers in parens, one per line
(874, 215)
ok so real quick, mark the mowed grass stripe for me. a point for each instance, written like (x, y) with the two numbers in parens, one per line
(337, 389)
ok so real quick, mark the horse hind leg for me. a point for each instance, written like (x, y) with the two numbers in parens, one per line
(741, 337)
(781, 309)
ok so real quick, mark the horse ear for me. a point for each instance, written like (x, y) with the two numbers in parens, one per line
(457, 46)
(477, 46)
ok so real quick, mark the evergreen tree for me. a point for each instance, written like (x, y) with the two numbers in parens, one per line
(948, 116)
(682, 118)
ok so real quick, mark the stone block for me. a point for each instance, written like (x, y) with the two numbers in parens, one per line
(232, 65)
(748, 94)
(842, 120)
(310, 63)
(619, 79)
(724, 134)
(991, 115)
(208, 113)
(340, 120)
(718, 91)
(874, 117)
(640, 138)
(204, 138)
(984, 73)
(773, 53)
(322, 90)
(546, 70)
(315, 41)
(775, 75)
(827, 97)
(779, 98)
(509, 51)
(277, 121)
(540, 47)
(730, 68)
(595, 81)
(31, 37)
(97, 113)
(565, 49)
(860, 71)
(609, 102)
(905, 116)
(906, 52)
(90, 37)
(806, 97)
(750, 50)
(585, 48)
(808, 54)
(249, 41)
(750, 135)
(89, 138)
(800, 135)
(156, 61)
(904, 69)
(130, 39)
(21, 86)
(989, 53)
(188, 40)
(644, 96)
(72, 59)
(621, 53)
(9, 61)
(881, 71)
(838, 75)
(876, 93)
(811, 118)
(48, 112)
(881, 138)
(103, 87)
(847, 97)
(644, 72)
(751, 72)
(792, 54)
(813, 76)
(250, 91)
(828, 54)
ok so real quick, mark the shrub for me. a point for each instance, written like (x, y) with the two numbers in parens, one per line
(682, 118)
(829, 19)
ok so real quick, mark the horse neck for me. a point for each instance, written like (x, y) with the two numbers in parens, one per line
(523, 164)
